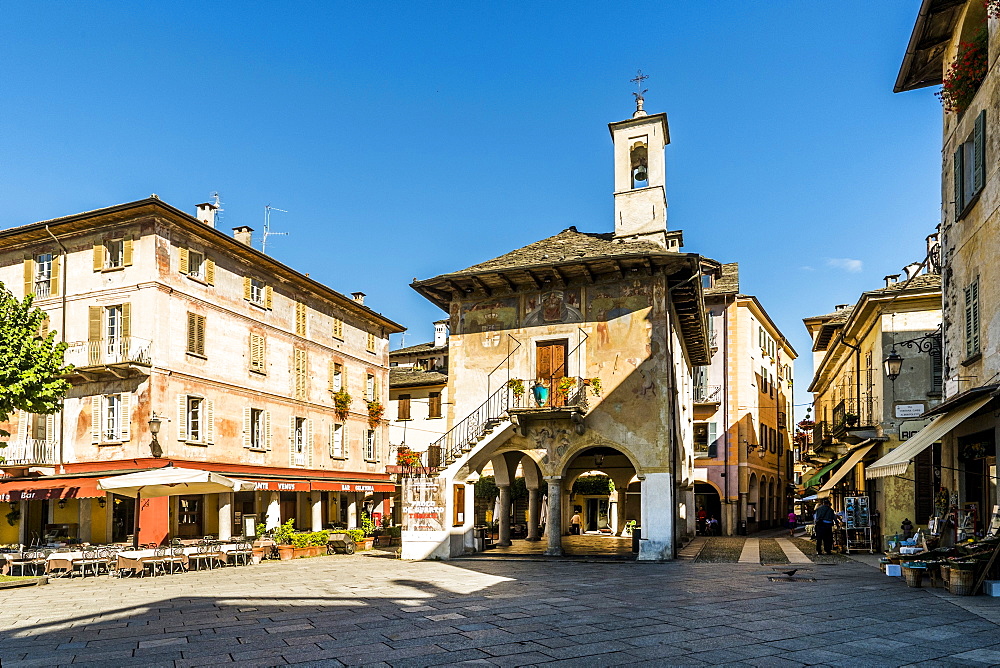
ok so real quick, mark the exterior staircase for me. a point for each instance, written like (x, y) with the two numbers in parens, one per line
(482, 426)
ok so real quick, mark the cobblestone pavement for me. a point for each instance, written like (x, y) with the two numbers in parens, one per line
(365, 610)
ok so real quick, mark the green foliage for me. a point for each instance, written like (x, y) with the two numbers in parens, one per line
(30, 364)
(300, 539)
(357, 534)
(283, 534)
(367, 525)
(319, 537)
(395, 532)
(486, 488)
(597, 485)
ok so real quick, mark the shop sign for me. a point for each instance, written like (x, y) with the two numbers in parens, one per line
(270, 485)
(356, 488)
(424, 504)
(911, 428)
(909, 410)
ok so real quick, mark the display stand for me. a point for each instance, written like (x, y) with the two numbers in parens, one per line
(858, 529)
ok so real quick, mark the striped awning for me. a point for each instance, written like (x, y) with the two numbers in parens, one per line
(822, 472)
(852, 459)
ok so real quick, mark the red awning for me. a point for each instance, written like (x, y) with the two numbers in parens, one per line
(322, 485)
(278, 485)
(59, 488)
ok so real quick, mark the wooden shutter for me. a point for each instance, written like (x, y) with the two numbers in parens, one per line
(434, 405)
(125, 417)
(54, 283)
(209, 406)
(300, 318)
(267, 296)
(183, 260)
(959, 199)
(247, 427)
(338, 328)
(267, 430)
(971, 318)
(923, 486)
(50, 428)
(246, 288)
(459, 505)
(29, 276)
(329, 438)
(94, 324)
(182, 417)
(200, 331)
(291, 440)
(127, 251)
(979, 152)
(126, 320)
(99, 256)
(95, 419)
(192, 337)
(309, 443)
(210, 271)
(403, 409)
(332, 369)
(301, 369)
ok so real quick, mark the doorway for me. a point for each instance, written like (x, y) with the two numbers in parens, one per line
(707, 498)
(289, 506)
(597, 515)
(550, 367)
(122, 518)
(190, 519)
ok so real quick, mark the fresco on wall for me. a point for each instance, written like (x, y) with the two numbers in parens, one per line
(490, 317)
(553, 308)
(612, 306)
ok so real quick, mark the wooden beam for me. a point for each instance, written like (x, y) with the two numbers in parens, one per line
(534, 279)
(455, 287)
(587, 272)
(648, 265)
(618, 270)
(560, 279)
(485, 288)
(509, 283)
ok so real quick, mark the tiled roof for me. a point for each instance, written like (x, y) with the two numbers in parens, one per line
(728, 283)
(567, 245)
(414, 377)
(920, 282)
(419, 348)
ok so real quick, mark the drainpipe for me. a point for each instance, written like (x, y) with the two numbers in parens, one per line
(725, 405)
(62, 336)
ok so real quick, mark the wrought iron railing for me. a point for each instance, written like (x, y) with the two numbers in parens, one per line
(29, 452)
(705, 394)
(109, 351)
(853, 414)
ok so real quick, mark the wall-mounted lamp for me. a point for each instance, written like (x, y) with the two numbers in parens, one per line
(101, 501)
(893, 364)
(61, 503)
(13, 506)
(154, 429)
(599, 460)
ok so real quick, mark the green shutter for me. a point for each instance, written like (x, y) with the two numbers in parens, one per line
(959, 203)
(979, 145)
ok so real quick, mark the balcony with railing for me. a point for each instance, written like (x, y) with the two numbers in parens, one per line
(707, 394)
(120, 357)
(28, 452)
(860, 418)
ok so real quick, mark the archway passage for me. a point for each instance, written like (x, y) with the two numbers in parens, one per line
(708, 506)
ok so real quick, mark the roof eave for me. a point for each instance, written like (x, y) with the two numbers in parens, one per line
(925, 44)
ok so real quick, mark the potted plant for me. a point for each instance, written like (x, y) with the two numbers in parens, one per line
(300, 544)
(594, 384)
(342, 404)
(540, 392)
(358, 535)
(516, 387)
(407, 458)
(375, 412)
(283, 537)
(368, 531)
(850, 419)
(566, 385)
(965, 74)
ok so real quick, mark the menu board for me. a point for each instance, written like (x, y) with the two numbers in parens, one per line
(424, 504)
(856, 512)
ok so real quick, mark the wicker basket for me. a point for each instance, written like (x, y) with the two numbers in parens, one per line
(914, 575)
(946, 576)
(963, 582)
(934, 576)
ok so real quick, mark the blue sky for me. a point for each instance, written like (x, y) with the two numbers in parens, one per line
(419, 139)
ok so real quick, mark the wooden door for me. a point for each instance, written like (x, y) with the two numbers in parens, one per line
(189, 517)
(550, 367)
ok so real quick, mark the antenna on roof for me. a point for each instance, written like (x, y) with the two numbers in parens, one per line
(218, 206)
(267, 227)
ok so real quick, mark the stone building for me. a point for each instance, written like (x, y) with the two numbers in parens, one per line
(965, 422)
(233, 355)
(572, 355)
(861, 414)
(743, 412)
(418, 392)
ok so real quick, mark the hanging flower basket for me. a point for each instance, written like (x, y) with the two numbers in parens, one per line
(407, 458)
(375, 411)
(342, 404)
(965, 74)
(566, 385)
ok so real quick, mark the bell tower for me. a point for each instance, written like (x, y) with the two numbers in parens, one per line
(640, 174)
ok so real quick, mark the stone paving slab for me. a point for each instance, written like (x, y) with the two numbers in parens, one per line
(751, 551)
(360, 610)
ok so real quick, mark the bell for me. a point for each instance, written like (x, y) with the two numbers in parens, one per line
(640, 173)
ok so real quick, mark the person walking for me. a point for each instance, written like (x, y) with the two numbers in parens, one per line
(825, 519)
(793, 521)
(574, 524)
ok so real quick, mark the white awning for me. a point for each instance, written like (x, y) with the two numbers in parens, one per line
(846, 467)
(170, 481)
(895, 462)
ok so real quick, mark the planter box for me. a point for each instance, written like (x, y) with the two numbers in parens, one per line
(286, 552)
(366, 544)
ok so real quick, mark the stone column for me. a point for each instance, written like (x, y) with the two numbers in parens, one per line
(316, 499)
(352, 511)
(504, 515)
(553, 522)
(273, 519)
(621, 516)
(534, 512)
(226, 516)
(22, 526)
(658, 517)
(85, 510)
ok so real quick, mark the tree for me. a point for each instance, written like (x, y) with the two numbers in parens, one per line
(31, 364)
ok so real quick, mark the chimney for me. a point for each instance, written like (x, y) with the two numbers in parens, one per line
(440, 333)
(206, 213)
(359, 297)
(243, 234)
(890, 280)
(911, 270)
(840, 307)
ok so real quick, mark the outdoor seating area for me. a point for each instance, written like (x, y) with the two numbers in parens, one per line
(124, 560)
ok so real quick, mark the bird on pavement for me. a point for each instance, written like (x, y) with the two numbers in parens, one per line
(791, 572)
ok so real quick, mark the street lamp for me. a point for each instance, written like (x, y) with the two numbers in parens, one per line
(154, 429)
(893, 365)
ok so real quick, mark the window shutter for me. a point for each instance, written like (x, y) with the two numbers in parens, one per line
(29, 276)
(126, 320)
(291, 440)
(979, 148)
(210, 271)
(246, 288)
(54, 282)
(309, 443)
(209, 421)
(192, 338)
(267, 430)
(975, 316)
(183, 263)
(968, 321)
(124, 418)
(300, 318)
(98, 256)
(333, 370)
(403, 407)
(50, 428)
(267, 296)
(94, 327)
(95, 419)
(247, 427)
(959, 200)
(329, 438)
(182, 417)
(127, 252)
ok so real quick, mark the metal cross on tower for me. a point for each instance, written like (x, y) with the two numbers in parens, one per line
(639, 78)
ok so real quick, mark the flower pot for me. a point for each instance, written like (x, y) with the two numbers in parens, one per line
(541, 394)
(300, 552)
(286, 552)
(257, 556)
(366, 543)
